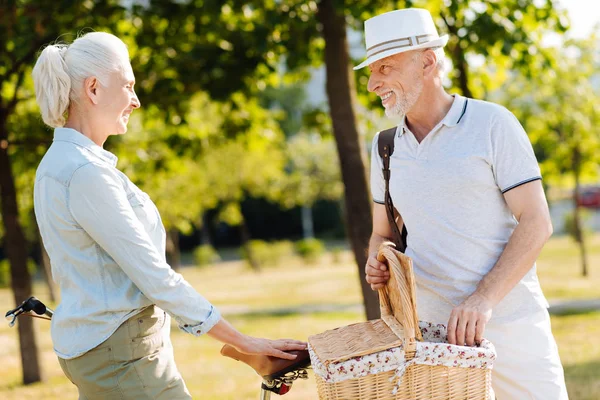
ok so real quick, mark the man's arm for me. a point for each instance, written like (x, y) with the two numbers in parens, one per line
(529, 206)
(377, 272)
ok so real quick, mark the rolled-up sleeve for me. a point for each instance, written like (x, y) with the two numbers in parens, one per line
(98, 202)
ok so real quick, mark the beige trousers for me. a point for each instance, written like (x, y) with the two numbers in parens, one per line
(528, 366)
(136, 362)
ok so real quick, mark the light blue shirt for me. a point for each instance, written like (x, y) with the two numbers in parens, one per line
(106, 244)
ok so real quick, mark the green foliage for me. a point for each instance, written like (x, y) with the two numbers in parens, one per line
(269, 254)
(5, 271)
(205, 255)
(569, 223)
(500, 36)
(559, 111)
(282, 250)
(313, 171)
(310, 249)
(205, 69)
(505, 33)
(226, 151)
(291, 101)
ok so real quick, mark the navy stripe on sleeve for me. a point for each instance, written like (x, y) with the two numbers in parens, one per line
(522, 183)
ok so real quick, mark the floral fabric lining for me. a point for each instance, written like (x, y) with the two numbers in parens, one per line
(434, 350)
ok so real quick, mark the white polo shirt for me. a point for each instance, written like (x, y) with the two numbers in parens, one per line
(449, 190)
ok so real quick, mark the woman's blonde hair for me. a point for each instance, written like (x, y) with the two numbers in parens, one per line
(61, 69)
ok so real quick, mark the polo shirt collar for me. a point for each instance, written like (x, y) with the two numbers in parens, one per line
(79, 139)
(457, 111)
(453, 117)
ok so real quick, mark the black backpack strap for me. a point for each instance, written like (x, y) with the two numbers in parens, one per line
(386, 149)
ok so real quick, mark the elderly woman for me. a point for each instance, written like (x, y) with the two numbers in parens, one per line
(106, 240)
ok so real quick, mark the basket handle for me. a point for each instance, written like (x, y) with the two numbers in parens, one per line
(397, 300)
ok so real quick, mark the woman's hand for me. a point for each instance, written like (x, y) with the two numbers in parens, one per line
(275, 348)
(224, 332)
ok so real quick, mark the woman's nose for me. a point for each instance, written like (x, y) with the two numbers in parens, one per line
(135, 101)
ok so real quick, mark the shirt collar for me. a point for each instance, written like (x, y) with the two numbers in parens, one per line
(79, 139)
(453, 117)
(457, 111)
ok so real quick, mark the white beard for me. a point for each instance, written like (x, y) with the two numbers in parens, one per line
(404, 101)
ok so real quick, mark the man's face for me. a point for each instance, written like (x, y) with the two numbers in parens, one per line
(398, 81)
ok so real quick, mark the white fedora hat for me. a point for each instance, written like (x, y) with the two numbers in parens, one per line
(399, 31)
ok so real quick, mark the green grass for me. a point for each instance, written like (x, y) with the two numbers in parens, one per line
(234, 288)
(579, 346)
(559, 269)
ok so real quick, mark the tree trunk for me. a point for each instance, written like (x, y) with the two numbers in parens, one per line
(204, 233)
(245, 236)
(458, 59)
(47, 270)
(307, 223)
(340, 93)
(173, 250)
(15, 246)
(579, 231)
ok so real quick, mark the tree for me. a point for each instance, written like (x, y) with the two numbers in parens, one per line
(560, 113)
(313, 171)
(507, 33)
(486, 30)
(250, 39)
(341, 95)
(226, 151)
(313, 174)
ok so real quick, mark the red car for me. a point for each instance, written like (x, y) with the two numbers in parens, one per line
(589, 197)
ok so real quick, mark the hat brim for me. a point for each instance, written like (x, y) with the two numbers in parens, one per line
(441, 41)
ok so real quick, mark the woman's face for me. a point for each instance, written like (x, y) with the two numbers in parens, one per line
(118, 101)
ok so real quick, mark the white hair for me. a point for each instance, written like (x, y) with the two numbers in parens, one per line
(439, 55)
(441, 59)
(61, 69)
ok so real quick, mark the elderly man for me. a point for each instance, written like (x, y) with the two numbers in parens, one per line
(467, 186)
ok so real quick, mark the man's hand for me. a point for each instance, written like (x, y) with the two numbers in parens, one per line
(377, 272)
(467, 321)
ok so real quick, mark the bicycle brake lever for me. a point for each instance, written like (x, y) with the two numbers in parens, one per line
(13, 314)
(14, 318)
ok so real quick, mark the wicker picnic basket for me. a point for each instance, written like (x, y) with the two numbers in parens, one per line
(398, 357)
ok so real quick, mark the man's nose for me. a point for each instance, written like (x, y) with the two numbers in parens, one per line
(373, 83)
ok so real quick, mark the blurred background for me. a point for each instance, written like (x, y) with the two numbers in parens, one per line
(253, 140)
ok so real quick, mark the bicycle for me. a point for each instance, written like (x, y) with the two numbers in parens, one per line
(278, 374)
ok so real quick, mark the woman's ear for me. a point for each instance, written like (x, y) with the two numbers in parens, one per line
(90, 87)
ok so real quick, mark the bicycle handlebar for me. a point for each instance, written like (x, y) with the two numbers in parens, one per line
(31, 304)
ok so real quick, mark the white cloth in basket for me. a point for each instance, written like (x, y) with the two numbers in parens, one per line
(434, 350)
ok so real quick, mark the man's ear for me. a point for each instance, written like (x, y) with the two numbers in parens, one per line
(90, 88)
(429, 61)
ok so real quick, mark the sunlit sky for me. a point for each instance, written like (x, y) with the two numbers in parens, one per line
(584, 14)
